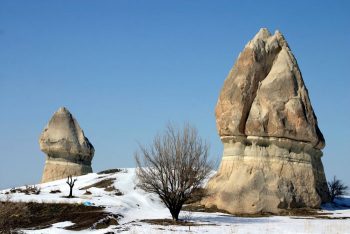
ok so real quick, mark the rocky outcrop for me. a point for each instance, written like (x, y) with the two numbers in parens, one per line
(68, 151)
(272, 143)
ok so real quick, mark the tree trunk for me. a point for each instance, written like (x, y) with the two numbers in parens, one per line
(175, 217)
(70, 192)
(175, 213)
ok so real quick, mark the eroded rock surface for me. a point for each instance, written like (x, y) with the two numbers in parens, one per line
(272, 143)
(68, 151)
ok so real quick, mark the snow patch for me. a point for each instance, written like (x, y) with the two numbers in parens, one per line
(135, 205)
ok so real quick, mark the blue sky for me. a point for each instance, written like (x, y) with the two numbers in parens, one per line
(126, 68)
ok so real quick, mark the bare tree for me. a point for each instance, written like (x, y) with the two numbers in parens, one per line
(173, 166)
(71, 183)
(336, 188)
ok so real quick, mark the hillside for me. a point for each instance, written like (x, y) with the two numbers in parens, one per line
(128, 206)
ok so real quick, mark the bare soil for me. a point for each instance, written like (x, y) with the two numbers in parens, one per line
(42, 215)
(101, 184)
(196, 207)
(300, 212)
(167, 222)
(110, 171)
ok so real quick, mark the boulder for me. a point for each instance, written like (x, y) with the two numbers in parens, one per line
(68, 151)
(272, 143)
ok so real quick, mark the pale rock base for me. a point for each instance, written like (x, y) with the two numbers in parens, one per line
(267, 175)
(60, 169)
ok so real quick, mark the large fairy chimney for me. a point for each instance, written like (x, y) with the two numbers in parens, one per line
(272, 143)
(68, 151)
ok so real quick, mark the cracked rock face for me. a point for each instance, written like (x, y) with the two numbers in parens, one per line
(272, 143)
(68, 151)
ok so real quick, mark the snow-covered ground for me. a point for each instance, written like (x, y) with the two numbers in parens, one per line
(135, 205)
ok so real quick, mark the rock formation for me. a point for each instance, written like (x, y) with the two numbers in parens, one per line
(68, 151)
(272, 144)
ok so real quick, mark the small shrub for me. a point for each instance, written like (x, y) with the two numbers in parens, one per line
(32, 190)
(87, 192)
(28, 190)
(55, 191)
(118, 193)
(336, 188)
(14, 190)
(110, 171)
(106, 222)
(110, 189)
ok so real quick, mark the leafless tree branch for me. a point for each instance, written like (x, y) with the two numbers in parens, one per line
(173, 166)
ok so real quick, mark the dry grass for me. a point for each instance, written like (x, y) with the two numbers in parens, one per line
(107, 184)
(110, 189)
(118, 193)
(297, 213)
(42, 215)
(87, 192)
(167, 222)
(110, 171)
(196, 207)
(27, 190)
(106, 222)
(55, 191)
(101, 184)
